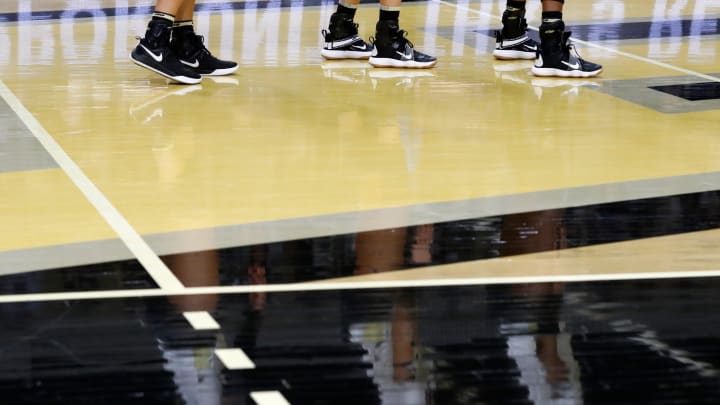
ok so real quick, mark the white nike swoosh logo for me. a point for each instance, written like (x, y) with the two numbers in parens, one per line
(404, 56)
(573, 66)
(532, 48)
(192, 65)
(360, 48)
(158, 58)
(344, 42)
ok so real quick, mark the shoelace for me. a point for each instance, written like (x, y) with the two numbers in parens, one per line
(156, 40)
(400, 36)
(355, 28)
(199, 44)
(327, 34)
(570, 46)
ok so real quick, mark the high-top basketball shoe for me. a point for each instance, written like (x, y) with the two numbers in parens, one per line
(192, 53)
(558, 57)
(154, 53)
(342, 40)
(393, 49)
(512, 41)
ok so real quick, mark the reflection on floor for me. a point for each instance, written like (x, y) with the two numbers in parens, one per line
(614, 342)
(378, 251)
(121, 275)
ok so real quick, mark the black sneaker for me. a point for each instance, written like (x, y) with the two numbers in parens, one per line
(342, 41)
(512, 41)
(522, 47)
(558, 57)
(192, 53)
(392, 49)
(154, 53)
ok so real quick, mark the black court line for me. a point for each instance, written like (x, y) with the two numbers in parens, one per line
(650, 342)
(646, 29)
(692, 91)
(587, 32)
(146, 10)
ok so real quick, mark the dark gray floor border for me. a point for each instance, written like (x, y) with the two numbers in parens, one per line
(19, 149)
(639, 91)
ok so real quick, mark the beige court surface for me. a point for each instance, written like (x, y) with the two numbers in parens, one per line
(293, 137)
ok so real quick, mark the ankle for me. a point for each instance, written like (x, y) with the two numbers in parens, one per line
(386, 30)
(513, 21)
(513, 5)
(346, 9)
(388, 13)
(181, 28)
(551, 32)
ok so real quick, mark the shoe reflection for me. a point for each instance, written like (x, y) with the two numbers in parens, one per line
(348, 71)
(537, 343)
(395, 354)
(561, 87)
(401, 349)
(195, 369)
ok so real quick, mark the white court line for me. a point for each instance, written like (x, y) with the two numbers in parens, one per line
(142, 251)
(201, 320)
(234, 359)
(593, 45)
(354, 285)
(269, 398)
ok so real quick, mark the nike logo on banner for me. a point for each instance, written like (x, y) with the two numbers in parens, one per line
(576, 65)
(158, 58)
(192, 65)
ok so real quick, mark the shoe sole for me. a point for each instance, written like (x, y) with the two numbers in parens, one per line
(222, 72)
(334, 55)
(179, 79)
(552, 72)
(513, 55)
(394, 63)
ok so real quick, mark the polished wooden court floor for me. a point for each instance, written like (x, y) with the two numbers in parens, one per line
(324, 232)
